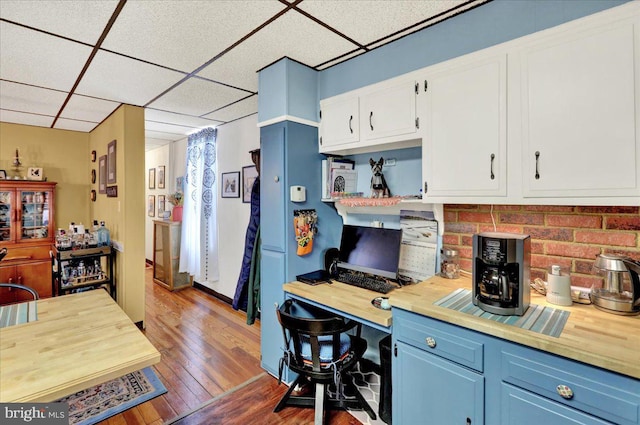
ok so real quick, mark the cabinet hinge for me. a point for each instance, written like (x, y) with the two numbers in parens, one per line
(425, 85)
(417, 123)
(426, 187)
(320, 140)
(320, 113)
(417, 88)
(395, 350)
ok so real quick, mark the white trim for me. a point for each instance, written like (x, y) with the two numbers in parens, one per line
(288, 118)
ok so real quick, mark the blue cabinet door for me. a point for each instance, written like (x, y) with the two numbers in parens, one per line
(272, 187)
(272, 266)
(430, 390)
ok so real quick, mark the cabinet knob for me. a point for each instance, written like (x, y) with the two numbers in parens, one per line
(565, 392)
(431, 342)
(276, 179)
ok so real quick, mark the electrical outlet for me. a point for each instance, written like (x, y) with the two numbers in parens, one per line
(389, 162)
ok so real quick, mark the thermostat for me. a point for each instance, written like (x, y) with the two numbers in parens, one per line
(298, 194)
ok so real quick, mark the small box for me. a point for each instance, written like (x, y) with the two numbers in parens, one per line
(298, 194)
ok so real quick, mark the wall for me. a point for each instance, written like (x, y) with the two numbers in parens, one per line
(234, 142)
(124, 214)
(570, 236)
(64, 157)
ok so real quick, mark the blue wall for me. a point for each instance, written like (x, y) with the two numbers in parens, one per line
(490, 24)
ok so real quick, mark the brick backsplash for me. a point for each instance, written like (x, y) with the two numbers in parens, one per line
(565, 235)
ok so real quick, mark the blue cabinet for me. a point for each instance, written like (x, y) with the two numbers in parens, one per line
(289, 156)
(433, 390)
(444, 374)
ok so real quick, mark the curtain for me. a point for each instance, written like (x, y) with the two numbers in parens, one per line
(199, 244)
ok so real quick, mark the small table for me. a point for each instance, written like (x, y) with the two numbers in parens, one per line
(79, 340)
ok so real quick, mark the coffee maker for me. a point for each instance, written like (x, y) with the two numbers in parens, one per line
(501, 272)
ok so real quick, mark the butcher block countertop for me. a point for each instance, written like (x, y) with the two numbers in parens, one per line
(590, 335)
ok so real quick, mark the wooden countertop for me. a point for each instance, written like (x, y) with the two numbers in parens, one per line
(78, 341)
(590, 335)
(349, 299)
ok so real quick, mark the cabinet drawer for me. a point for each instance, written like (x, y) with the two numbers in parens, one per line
(441, 339)
(16, 255)
(609, 396)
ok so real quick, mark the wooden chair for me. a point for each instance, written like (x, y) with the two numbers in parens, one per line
(321, 353)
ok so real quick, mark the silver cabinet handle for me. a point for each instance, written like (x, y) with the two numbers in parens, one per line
(350, 120)
(370, 122)
(564, 392)
(431, 342)
(537, 157)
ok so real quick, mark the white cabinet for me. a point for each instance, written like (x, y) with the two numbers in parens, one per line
(465, 120)
(339, 122)
(375, 118)
(580, 102)
(389, 111)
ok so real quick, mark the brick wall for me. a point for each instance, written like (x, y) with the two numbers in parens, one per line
(565, 235)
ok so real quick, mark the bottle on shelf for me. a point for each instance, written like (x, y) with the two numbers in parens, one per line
(104, 238)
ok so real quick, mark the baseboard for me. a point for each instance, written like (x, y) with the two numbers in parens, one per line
(149, 262)
(213, 293)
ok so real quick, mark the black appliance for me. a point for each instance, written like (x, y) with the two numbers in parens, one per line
(501, 272)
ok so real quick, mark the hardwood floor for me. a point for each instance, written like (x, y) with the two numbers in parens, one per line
(210, 366)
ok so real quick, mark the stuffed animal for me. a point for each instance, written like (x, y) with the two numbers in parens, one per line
(379, 188)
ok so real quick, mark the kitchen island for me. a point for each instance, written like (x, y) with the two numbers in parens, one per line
(455, 367)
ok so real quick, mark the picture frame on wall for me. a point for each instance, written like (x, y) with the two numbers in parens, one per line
(249, 175)
(111, 162)
(151, 206)
(230, 185)
(161, 204)
(3, 175)
(152, 178)
(102, 174)
(161, 177)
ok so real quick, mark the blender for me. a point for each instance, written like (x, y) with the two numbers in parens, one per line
(619, 289)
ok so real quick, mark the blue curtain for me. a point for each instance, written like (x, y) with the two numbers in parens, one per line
(199, 244)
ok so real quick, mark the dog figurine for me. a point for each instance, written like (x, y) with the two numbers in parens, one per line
(379, 188)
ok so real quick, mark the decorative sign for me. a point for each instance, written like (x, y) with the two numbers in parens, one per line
(112, 191)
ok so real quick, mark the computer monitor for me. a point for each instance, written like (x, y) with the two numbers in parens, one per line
(370, 250)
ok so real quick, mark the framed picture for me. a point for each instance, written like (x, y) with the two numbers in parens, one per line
(102, 174)
(34, 174)
(230, 185)
(180, 184)
(151, 206)
(161, 201)
(3, 175)
(152, 178)
(249, 175)
(161, 177)
(111, 162)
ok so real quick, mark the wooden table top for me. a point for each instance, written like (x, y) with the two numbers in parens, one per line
(590, 335)
(79, 340)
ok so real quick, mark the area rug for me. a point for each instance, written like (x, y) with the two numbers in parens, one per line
(98, 403)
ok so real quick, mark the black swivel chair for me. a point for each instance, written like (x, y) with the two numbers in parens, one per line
(321, 353)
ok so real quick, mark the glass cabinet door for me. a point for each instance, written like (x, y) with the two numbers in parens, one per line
(35, 214)
(6, 215)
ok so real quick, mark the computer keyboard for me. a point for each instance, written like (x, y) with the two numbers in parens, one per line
(372, 284)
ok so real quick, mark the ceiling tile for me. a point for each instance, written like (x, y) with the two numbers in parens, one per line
(80, 20)
(375, 18)
(191, 32)
(196, 97)
(162, 135)
(75, 125)
(39, 59)
(120, 79)
(292, 35)
(151, 114)
(168, 128)
(24, 118)
(237, 110)
(23, 98)
(88, 108)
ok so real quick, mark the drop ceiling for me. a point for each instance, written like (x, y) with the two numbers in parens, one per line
(69, 64)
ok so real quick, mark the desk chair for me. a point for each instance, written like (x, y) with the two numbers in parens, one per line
(321, 353)
(29, 292)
